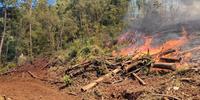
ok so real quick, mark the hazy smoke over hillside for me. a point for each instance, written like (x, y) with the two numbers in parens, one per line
(191, 8)
(163, 16)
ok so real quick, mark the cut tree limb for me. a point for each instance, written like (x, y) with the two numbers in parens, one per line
(139, 79)
(50, 63)
(41, 79)
(126, 69)
(94, 83)
(86, 63)
(75, 73)
(169, 51)
(170, 66)
(171, 60)
(131, 67)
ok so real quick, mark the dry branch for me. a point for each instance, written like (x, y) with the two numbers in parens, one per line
(94, 83)
(170, 60)
(170, 66)
(86, 63)
(169, 51)
(12, 71)
(41, 79)
(189, 80)
(50, 63)
(136, 64)
(139, 79)
(131, 67)
(111, 64)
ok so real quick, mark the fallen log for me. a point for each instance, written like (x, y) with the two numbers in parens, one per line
(111, 64)
(78, 72)
(189, 80)
(171, 60)
(86, 63)
(139, 79)
(11, 71)
(169, 66)
(127, 69)
(94, 83)
(169, 51)
(50, 63)
(41, 79)
(131, 67)
(82, 66)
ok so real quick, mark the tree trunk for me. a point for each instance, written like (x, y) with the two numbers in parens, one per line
(52, 39)
(4, 32)
(61, 37)
(30, 33)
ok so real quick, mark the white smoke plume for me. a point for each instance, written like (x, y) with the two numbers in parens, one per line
(163, 15)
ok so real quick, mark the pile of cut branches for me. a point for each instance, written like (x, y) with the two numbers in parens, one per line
(106, 66)
(126, 66)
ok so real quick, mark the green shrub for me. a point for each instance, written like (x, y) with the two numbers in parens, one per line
(11, 65)
(85, 51)
(67, 80)
(72, 54)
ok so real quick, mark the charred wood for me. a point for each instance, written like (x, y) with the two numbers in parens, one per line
(169, 66)
(169, 51)
(171, 60)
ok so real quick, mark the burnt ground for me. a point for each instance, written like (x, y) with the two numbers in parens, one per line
(21, 85)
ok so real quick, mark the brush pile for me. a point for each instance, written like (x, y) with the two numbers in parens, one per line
(134, 65)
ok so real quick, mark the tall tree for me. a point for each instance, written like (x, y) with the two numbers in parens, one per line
(4, 29)
(30, 32)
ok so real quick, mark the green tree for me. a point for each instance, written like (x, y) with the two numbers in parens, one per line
(5, 7)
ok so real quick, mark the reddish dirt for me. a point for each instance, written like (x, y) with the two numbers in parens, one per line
(18, 88)
(21, 86)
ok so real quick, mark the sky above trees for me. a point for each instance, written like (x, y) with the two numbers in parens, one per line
(51, 2)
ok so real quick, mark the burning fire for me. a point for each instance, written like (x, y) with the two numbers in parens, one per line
(147, 46)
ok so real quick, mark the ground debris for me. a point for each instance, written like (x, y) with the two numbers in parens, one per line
(92, 74)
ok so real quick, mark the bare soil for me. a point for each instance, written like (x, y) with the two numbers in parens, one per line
(19, 88)
(19, 85)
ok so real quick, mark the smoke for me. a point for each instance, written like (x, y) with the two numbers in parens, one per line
(163, 16)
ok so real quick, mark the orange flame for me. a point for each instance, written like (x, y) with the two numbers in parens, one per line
(147, 46)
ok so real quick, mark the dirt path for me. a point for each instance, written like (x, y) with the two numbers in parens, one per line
(27, 88)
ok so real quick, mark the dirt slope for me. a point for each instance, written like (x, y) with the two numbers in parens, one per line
(26, 88)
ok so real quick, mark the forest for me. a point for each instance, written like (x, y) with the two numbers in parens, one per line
(35, 28)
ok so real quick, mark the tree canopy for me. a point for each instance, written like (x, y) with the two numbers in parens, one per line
(71, 25)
